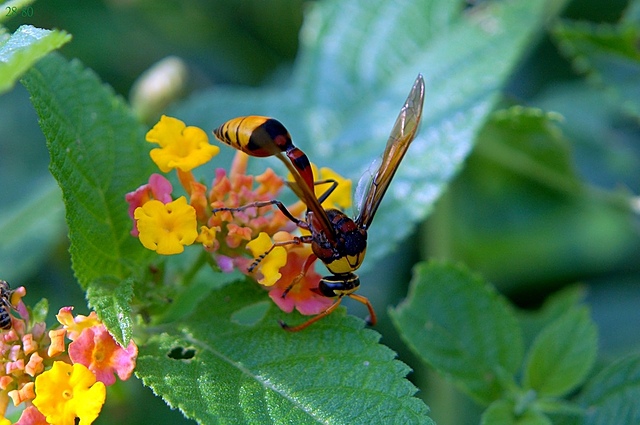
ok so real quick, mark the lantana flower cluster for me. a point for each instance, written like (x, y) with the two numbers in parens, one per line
(166, 223)
(57, 382)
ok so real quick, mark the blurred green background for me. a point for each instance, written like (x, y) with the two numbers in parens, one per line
(528, 236)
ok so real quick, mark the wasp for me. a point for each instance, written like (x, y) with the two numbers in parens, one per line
(5, 305)
(337, 240)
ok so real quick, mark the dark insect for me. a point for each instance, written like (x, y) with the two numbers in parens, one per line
(5, 305)
(337, 240)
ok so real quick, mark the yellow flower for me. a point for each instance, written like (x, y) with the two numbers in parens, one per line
(181, 147)
(66, 392)
(207, 237)
(340, 198)
(166, 228)
(272, 262)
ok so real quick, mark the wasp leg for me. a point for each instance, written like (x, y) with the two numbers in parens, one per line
(327, 192)
(372, 319)
(300, 223)
(307, 263)
(313, 320)
(297, 240)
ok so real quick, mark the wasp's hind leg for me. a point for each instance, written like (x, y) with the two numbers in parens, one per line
(313, 320)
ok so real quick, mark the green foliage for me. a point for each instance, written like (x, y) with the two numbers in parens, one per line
(23, 48)
(96, 156)
(467, 332)
(502, 214)
(562, 354)
(210, 344)
(217, 370)
(608, 54)
(463, 327)
(612, 395)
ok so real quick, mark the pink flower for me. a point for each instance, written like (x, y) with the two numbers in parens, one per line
(303, 295)
(158, 188)
(96, 349)
(31, 416)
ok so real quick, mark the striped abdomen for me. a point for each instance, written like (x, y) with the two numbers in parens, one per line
(264, 136)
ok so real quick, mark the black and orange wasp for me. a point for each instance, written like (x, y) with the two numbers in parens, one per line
(337, 240)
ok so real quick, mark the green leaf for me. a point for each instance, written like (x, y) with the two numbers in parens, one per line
(522, 159)
(532, 322)
(604, 157)
(112, 295)
(611, 397)
(561, 412)
(217, 369)
(608, 54)
(562, 355)
(38, 313)
(501, 412)
(459, 325)
(498, 412)
(97, 155)
(357, 62)
(528, 141)
(24, 48)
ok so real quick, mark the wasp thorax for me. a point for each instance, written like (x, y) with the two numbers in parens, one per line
(344, 251)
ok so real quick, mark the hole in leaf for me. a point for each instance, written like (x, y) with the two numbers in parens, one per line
(181, 353)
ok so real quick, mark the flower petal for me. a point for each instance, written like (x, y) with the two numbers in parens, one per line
(166, 228)
(181, 147)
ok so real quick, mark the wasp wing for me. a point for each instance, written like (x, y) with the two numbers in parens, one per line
(301, 189)
(402, 134)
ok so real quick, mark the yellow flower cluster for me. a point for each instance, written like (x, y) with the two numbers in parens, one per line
(166, 225)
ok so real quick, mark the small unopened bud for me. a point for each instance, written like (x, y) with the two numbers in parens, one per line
(158, 86)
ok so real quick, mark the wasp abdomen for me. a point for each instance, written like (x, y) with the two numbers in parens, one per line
(255, 135)
(338, 285)
(264, 136)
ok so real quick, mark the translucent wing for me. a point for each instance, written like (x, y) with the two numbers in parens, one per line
(300, 187)
(402, 134)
